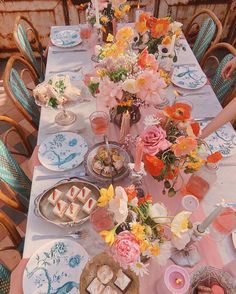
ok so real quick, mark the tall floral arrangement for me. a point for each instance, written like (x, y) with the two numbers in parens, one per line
(108, 11)
(152, 31)
(122, 77)
(172, 145)
(139, 228)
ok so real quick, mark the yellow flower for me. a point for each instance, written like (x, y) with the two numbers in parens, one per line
(105, 196)
(166, 40)
(110, 38)
(138, 231)
(144, 245)
(125, 34)
(118, 13)
(108, 236)
(101, 72)
(154, 250)
(126, 8)
(180, 223)
(104, 19)
(196, 164)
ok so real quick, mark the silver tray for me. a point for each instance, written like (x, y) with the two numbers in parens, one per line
(91, 154)
(44, 209)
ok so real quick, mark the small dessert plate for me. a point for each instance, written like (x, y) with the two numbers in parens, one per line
(66, 39)
(234, 238)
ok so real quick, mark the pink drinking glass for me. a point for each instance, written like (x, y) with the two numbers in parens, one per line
(85, 31)
(225, 223)
(102, 219)
(99, 121)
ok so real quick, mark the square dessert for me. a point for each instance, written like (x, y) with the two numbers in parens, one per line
(89, 205)
(60, 208)
(95, 287)
(55, 196)
(84, 194)
(105, 274)
(109, 290)
(72, 193)
(72, 211)
(122, 281)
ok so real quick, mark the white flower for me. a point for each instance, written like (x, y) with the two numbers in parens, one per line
(140, 268)
(180, 223)
(182, 241)
(130, 86)
(158, 213)
(150, 120)
(145, 38)
(119, 205)
(175, 26)
(165, 253)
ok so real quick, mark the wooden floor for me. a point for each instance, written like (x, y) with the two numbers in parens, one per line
(10, 258)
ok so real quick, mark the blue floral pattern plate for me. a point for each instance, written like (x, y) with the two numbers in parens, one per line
(66, 38)
(62, 151)
(188, 77)
(55, 268)
(223, 140)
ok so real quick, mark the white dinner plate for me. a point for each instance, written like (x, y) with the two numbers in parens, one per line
(62, 151)
(66, 39)
(234, 238)
(188, 77)
(55, 268)
(223, 140)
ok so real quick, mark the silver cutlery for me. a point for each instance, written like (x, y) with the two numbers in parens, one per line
(56, 176)
(77, 69)
(206, 118)
(184, 64)
(67, 51)
(183, 94)
(76, 235)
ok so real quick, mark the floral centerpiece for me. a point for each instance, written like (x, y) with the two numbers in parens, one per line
(124, 80)
(172, 144)
(152, 32)
(109, 11)
(139, 228)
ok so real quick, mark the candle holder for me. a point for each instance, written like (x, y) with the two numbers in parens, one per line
(99, 33)
(189, 256)
(136, 177)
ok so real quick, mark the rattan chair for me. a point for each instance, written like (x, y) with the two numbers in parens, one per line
(5, 276)
(208, 33)
(25, 36)
(225, 90)
(14, 81)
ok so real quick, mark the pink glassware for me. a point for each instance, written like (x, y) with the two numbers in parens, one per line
(102, 219)
(85, 32)
(176, 280)
(225, 223)
(99, 122)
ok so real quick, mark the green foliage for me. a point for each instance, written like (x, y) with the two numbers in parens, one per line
(93, 87)
(52, 102)
(153, 44)
(118, 75)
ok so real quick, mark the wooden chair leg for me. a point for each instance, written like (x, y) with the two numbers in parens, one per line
(13, 203)
(11, 228)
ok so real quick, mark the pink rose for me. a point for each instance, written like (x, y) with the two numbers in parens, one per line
(126, 249)
(154, 138)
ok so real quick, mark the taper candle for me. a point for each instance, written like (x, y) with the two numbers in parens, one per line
(209, 219)
(138, 155)
(172, 45)
(125, 126)
(97, 13)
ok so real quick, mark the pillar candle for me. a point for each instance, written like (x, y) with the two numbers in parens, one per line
(138, 155)
(125, 126)
(209, 219)
(172, 45)
(97, 13)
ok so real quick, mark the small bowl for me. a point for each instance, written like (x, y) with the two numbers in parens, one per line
(190, 202)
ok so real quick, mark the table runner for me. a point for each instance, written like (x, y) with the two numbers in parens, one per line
(225, 183)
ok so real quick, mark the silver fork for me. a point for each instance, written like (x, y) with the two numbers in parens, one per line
(191, 94)
(75, 235)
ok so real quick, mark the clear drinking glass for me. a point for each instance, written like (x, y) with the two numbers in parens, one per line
(102, 219)
(65, 117)
(85, 32)
(99, 121)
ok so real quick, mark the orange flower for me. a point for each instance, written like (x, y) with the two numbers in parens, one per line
(146, 198)
(178, 111)
(153, 165)
(159, 27)
(146, 60)
(131, 192)
(141, 24)
(172, 172)
(214, 157)
(144, 16)
(193, 129)
(166, 40)
(183, 146)
(124, 34)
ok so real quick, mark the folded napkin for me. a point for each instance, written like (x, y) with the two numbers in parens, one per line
(56, 91)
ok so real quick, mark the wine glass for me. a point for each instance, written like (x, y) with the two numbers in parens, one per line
(85, 32)
(65, 117)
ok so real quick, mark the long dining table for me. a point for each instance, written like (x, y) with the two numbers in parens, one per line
(213, 253)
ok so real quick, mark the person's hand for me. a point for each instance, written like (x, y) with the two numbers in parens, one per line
(17, 277)
(229, 68)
